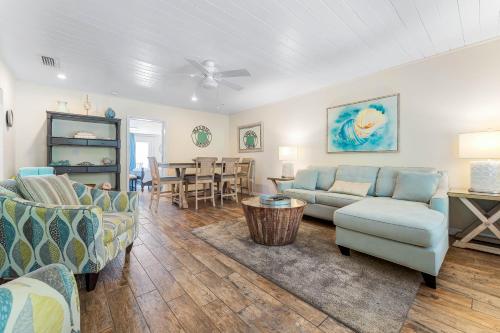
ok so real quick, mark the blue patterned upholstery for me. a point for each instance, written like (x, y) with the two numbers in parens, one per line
(42, 301)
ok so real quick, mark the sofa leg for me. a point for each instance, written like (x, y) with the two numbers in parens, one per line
(430, 280)
(91, 280)
(344, 250)
(129, 248)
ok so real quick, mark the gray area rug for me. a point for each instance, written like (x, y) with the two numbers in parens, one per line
(365, 293)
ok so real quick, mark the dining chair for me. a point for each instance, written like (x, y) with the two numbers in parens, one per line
(245, 175)
(157, 183)
(229, 175)
(204, 175)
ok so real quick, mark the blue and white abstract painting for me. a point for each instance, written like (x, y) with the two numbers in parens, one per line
(367, 126)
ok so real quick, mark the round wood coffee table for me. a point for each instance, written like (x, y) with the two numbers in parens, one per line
(273, 225)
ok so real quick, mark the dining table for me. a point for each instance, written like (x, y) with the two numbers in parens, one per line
(180, 171)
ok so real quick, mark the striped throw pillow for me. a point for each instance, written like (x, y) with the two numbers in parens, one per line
(56, 190)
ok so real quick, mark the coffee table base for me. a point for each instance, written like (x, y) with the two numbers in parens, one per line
(273, 227)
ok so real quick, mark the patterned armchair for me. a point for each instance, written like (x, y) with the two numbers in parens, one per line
(82, 237)
(45, 300)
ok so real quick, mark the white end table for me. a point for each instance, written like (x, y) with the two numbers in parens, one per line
(487, 219)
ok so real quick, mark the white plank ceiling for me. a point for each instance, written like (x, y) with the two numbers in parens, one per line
(137, 47)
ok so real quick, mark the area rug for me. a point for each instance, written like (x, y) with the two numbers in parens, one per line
(364, 293)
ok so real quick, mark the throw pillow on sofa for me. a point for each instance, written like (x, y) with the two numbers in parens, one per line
(416, 186)
(306, 180)
(352, 188)
(52, 189)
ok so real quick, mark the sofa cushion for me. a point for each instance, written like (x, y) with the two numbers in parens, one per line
(360, 174)
(352, 188)
(306, 179)
(336, 199)
(115, 224)
(403, 221)
(416, 186)
(306, 195)
(386, 180)
(51, 189)
(326, 176)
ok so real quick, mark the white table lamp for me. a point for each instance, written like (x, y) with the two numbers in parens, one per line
(484, 175)
(287, 154)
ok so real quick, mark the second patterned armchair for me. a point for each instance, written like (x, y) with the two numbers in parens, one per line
(83, 237)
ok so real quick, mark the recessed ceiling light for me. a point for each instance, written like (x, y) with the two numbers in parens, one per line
(194, 98)
(61, 76)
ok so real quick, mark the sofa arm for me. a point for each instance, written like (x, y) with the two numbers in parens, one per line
(46, 299)
(439, 202)
(284, 185)
(36, 235)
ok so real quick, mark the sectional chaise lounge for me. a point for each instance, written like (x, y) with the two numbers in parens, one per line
(410, 229)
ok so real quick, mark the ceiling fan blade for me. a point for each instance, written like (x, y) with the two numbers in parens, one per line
(197, 65)
(230, 85)
(234, 73)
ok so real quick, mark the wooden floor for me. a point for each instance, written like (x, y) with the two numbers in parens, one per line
(174, 282)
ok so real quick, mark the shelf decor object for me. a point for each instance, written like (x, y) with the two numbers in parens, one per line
(81, 122)
(368, 126)
(287, 155)
(251, 138)
(110, 113)
(484, 174)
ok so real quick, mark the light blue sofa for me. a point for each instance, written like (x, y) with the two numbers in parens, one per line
(412, 234)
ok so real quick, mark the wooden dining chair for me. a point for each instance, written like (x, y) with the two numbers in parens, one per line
(229, 176)
(204, 175)
(245, 175)
(158, 182)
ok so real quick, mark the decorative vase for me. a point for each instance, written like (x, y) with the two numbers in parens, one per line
(110, 113)
(62, 106)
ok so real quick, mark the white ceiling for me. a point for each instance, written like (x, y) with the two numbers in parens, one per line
(135, 47)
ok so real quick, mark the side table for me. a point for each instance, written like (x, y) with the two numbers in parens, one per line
(275, 181)
(487, 219)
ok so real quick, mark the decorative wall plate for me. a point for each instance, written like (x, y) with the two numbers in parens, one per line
(201, 136)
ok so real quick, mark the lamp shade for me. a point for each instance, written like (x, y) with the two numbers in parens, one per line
(479, 145)
(287, 153)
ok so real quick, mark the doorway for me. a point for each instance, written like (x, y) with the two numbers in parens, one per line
(146, 137)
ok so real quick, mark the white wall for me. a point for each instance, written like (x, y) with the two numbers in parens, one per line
(440, 98)
(32, 101)
(7, 97)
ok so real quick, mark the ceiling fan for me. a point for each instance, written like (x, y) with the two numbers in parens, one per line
(211, 77)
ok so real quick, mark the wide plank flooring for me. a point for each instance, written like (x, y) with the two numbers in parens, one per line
(174, 282)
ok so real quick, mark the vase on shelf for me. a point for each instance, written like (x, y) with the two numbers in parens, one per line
(62, 106)
(110, 113)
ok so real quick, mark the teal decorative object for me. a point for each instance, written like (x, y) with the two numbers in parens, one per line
(110, 113)
(201, 136)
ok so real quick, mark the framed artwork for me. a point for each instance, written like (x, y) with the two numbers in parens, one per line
(366, 126)
(251, 138)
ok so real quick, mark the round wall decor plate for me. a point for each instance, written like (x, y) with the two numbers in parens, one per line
(201, 136)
